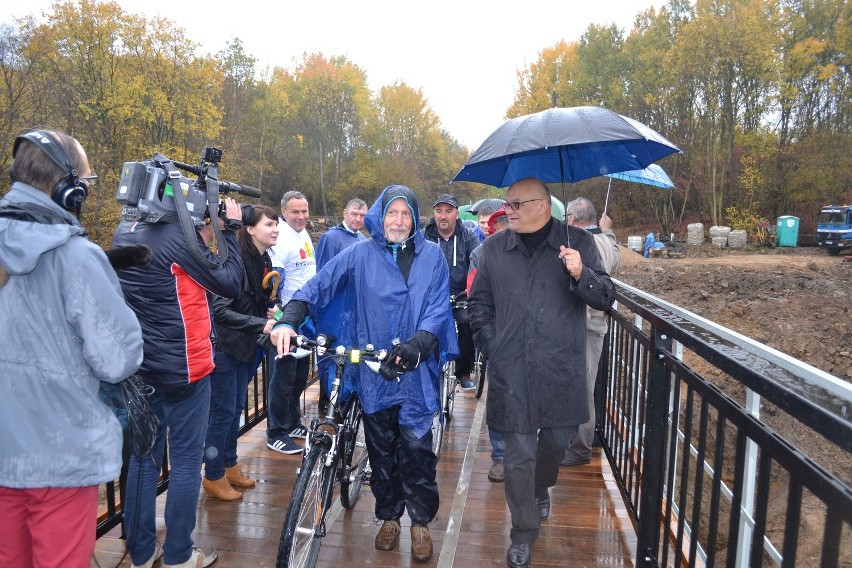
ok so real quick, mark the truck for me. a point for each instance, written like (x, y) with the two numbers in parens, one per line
(834, 228)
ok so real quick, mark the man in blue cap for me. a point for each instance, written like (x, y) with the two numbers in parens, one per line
(394, 285)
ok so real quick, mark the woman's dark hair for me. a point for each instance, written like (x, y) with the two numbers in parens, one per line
(32, 167)
(252, 215)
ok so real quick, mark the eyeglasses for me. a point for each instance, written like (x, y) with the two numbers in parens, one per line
(515, 205)
(89, 178)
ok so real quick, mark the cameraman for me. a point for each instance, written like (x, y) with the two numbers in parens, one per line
(66, 329)
(170, 298)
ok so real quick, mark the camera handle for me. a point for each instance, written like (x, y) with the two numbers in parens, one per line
(186, 224)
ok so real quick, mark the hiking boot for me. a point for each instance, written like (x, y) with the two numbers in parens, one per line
(497, 474)
(388, 536)
(284, 445)
(200, 558)
(221, 489)
(158, 551)
(421, 543)
(236, 476)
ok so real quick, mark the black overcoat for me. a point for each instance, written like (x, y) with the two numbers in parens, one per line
(530, 319)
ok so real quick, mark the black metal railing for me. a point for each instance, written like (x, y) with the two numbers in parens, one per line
(727, 452)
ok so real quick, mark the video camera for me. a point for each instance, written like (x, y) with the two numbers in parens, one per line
(147, 189)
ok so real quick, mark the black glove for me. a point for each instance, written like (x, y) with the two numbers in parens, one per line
(409, 355)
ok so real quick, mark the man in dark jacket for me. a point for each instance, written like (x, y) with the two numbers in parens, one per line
(528, 313)
(170, 298)
(456, 243)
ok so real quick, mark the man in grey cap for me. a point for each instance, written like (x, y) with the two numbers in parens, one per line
(456, 243)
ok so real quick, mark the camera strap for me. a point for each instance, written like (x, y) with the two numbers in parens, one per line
(186, 224)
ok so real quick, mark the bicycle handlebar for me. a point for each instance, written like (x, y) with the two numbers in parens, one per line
(388, 367)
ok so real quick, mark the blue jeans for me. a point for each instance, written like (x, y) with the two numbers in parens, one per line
(183, 411)
(498, 446)
(228, 385)
(287, 381)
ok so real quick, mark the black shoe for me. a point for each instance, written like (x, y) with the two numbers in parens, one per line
(323, 408)
(543, 506)
(518, 556)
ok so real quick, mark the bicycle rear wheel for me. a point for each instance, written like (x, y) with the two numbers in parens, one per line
(301, 535)
(479, 372)
(355, 458)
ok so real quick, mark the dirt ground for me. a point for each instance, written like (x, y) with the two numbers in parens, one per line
(795, 300)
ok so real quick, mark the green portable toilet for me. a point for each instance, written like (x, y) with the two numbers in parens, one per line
(787, 231)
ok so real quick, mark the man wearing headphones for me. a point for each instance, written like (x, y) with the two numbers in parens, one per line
(72, 329)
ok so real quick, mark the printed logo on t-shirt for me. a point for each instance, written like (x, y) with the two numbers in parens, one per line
(306, 251)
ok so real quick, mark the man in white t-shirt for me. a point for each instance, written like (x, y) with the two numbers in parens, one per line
(293, 257)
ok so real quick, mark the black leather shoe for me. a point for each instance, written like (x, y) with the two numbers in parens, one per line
(543, 507)
(518, 556)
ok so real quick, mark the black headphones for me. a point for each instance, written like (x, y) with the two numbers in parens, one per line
(70, 191)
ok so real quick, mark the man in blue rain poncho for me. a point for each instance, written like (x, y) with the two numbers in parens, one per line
(394, 285)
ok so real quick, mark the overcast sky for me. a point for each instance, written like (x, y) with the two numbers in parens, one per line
(463, 54)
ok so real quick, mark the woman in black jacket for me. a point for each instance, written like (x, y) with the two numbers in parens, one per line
(238, 323)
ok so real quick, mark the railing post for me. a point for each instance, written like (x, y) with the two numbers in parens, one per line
(653, 462)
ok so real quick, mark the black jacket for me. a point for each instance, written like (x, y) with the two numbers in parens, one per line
(240, 322)
(170, 298)
(456, 250)
(529, 317)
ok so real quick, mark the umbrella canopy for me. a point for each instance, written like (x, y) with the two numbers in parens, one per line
(564, 144)
(652, 175)
(494, 202)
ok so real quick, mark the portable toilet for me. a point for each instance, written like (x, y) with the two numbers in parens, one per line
(787, 231)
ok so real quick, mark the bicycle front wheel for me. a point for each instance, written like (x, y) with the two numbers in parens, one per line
(448, 389)
(437, 433)
(302, 532)
(479, 372)
(355, 458)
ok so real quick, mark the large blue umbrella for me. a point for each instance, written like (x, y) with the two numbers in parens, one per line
(652, 175)
(564, 145)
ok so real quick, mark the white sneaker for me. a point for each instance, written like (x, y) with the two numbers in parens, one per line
(158, 552)
(200, 558)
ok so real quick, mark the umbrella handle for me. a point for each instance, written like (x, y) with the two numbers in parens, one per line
(606, 201)
(567, 245)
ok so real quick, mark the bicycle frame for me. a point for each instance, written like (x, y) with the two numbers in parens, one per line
(332, 439)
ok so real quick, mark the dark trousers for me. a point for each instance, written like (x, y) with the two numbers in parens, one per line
(531, 464)
(403, 468)
(465, 334)
(227, 402)
(287, 382)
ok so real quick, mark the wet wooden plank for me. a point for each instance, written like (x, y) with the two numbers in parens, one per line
(588, 526)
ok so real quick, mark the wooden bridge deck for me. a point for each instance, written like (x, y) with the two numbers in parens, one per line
(588, 526)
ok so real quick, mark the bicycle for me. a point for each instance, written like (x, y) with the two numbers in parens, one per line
(335, 451)
(450, 383)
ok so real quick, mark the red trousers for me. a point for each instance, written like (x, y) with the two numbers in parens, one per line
(48, 528)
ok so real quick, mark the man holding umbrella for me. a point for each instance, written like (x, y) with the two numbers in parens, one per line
(528, 314)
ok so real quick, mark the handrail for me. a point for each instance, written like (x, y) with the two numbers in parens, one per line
(699, 466)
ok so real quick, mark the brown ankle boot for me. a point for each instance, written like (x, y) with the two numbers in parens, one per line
(221, 489)
(421, 543)
(236, 476)
(388, 536)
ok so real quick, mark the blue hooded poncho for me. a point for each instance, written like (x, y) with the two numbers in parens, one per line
(361, 297)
